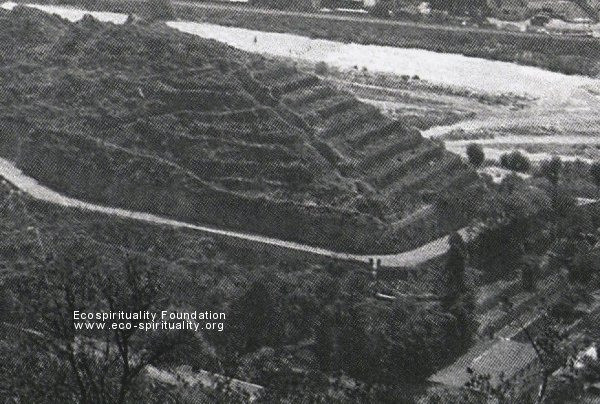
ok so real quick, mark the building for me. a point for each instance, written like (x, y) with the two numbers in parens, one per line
(502, 359)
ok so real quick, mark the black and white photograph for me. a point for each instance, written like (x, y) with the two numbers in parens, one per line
(300, 201)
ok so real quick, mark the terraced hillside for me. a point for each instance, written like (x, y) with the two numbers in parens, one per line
(145, 118)
(405, 172)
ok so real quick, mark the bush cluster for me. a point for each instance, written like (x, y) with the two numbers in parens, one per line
(515, 161)
(475, 154)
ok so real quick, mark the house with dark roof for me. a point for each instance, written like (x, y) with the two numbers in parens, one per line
(504, 360)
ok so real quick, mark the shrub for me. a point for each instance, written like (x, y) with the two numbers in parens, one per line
(515, 161)
(551, 169)
(475, 154)
(321, 68)
(595, 172)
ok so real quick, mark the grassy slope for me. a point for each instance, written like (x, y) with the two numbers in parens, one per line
(400, 171)
(149, 119)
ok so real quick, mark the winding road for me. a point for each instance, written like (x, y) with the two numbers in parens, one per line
(31, 187)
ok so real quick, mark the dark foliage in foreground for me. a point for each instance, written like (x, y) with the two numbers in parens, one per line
(291, 327)
(515, 161)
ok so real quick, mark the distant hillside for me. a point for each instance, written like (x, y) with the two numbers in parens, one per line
(145, 118)
(569, 10)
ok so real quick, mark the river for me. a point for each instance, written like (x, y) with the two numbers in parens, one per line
(440, 68)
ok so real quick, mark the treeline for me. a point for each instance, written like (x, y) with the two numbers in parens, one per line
(333, 326)
(381, 8)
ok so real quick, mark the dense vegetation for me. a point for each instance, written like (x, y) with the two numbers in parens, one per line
(291, 327)
(515, 161)
(300, 330)
(130, 117)
(475, 154)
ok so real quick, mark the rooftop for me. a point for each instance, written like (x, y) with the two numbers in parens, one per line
(501, 359)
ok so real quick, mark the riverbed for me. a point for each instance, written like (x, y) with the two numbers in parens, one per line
(568, 103)
(440, 68)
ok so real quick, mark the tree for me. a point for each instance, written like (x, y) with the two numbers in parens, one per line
(458, 298)
(515, 161)
(475, 154)
(455, 266)
(529, 271)
(568, 384)
(551, 169)
(553, 352)
(135, 287)
(595, 172)
(255, 319)
(98, 365)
